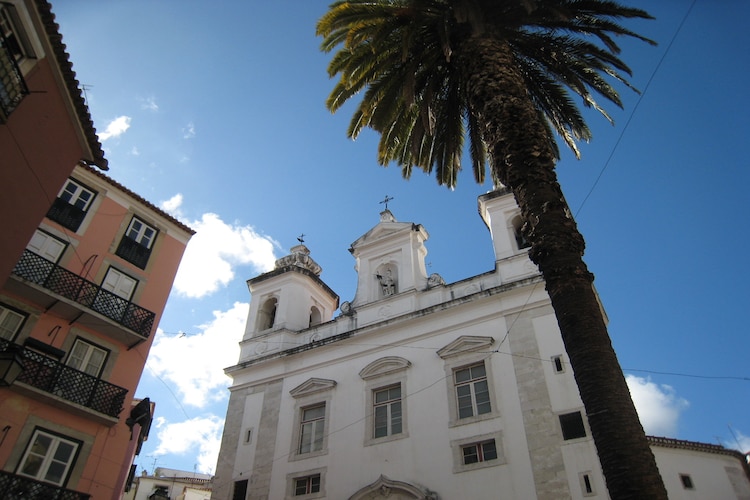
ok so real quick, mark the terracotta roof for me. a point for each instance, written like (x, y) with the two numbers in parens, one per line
(69, 76)
(138, 197)
(665, 442)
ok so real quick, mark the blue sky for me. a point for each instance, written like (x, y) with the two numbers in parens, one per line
(215, 111)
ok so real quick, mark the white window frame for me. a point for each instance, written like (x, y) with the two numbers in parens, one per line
(82, 357)
(8, 316)
(471, 384)
(313, 393)
(291, 483)
(381, 374)
(393, 408)
(47, 246)
(115, 278)
(77, 193)
(138, 231)
(458, 446)
(312, 426)
(49, 458)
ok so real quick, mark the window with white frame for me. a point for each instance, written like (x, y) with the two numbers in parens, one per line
(71, 205)
(312, 428)
(478, 452)
(135, 245)
(76, 194)
(49, 457)
(119, 283)
(11, 322)
(387, 411)
(307, 485)
(46, 245)
(472, 391)
(385, 414)
(87, 357)
(310, 432)
(140, 232)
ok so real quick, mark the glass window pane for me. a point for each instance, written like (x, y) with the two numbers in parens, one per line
(55, 473)
(463, 375)
(482, 397)
(478, 371)
(489, 451)
(470, 455)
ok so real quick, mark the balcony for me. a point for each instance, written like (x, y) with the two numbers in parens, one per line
(133, 252)
(65, 214)
(52, 376)
(78, 299)
(12, 86)
(14, 486)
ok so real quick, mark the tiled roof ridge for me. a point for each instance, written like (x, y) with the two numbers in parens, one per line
(666, 442)
(44, 8)
(138, 197)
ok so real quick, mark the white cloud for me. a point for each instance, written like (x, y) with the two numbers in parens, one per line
(189, 131)
(134, 151)
(115, 128)
(173, 205)
(181, 438)
(658, 406)
(195, 362)
(215, 250)
(150, 104)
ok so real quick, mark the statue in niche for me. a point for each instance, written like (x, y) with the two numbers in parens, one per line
(387, 283)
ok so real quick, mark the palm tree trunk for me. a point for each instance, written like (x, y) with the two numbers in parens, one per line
(523, 160)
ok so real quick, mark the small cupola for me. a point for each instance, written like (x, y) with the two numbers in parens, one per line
(291, 297)
(390, 260)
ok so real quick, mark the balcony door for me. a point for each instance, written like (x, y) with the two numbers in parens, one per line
(48, 458)
(121, 288)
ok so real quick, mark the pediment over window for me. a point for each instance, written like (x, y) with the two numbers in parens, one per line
(312, 386)
(384, 366)
(464, 344)
(393, 490)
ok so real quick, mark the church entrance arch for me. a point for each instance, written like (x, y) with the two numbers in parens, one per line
(388, 489)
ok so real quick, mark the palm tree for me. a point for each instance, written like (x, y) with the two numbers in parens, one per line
(502, 72)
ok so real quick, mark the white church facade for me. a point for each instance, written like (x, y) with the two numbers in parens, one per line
(419, 389)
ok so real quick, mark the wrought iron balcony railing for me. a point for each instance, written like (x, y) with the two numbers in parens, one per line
(12, 85)
(45, 273)
(65, 214)
(49, 375)
(133, 252)
(15, 486)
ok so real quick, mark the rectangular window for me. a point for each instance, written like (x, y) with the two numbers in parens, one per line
(46, 245)
(387, 411)
(572, 425)
(479, 452)
(48, 458)
(472, 391)
(557, 364)
(87, 357)
(10, 322)
(687, 481)
(71, 205)
(135, 246)
(311, 429)
(307, 485)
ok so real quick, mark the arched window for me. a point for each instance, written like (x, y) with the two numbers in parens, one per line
(315, 316)
(267, 314)
(520, 238)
